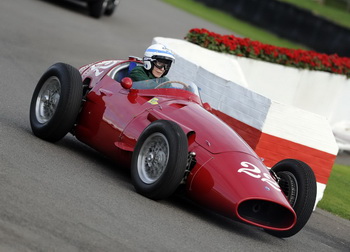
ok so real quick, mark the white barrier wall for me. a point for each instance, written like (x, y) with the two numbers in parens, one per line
(315, 91)
(275, 129)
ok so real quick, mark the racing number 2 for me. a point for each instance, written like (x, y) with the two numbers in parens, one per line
(254, 171)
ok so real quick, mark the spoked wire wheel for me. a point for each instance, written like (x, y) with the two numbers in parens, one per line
(56, 102)
(159, 160)
(47, 100)
(289, 186)
(153, 158)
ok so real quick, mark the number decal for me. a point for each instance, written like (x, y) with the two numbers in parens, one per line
(254, 171)
(101, 66)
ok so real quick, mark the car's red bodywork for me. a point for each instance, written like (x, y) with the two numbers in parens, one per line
(227, 176)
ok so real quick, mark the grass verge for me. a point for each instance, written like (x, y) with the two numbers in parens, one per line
(336, 15)
(336, 197)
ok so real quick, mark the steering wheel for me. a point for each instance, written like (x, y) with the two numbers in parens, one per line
(167, 82)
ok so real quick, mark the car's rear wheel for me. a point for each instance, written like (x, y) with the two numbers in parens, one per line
(298, 183)
(159, 160)
(56, 102)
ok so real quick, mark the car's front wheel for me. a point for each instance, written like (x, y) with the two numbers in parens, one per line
(159, 160)
(298, 183)
(56, 102)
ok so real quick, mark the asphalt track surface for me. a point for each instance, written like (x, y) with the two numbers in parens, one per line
(66, 196)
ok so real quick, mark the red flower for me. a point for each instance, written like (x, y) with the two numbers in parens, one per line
(255, 49)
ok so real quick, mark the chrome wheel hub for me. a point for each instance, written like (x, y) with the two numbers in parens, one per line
(48, 99)
(153, 158)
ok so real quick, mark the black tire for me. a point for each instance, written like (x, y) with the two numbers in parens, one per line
(298, 182)
(111, 7)
(159, 160)
(97, 8)
(56, 102)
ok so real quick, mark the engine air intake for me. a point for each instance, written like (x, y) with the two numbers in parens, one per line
(266, 214)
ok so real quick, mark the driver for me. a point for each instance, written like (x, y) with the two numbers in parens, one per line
(156, 63)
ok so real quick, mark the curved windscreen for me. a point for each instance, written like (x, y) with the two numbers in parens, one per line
(165, 83)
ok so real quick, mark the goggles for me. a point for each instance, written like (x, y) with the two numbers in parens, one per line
(160, 65)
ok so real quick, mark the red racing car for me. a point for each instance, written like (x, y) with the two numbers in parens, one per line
(170, 139)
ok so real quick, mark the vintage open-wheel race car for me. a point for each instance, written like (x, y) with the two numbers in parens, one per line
(170, 139)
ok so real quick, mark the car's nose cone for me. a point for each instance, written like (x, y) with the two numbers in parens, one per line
(238, 185)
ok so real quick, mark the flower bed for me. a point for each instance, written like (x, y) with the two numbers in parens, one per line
(256, 50)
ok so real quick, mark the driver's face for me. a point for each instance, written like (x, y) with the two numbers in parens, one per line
(158, 72)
